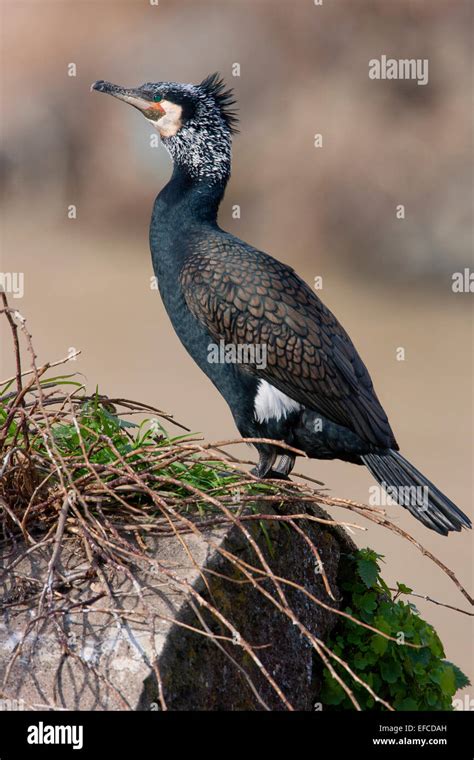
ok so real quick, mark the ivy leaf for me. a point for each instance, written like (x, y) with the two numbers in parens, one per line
(435, 644)
(431, 698)
(379, 644)
(353, 637)
(390, 670)
(360, 661)
(368, 571)
(369, 554)
(402, 589)
(368, 602)
(391, 614)
(461, 678)
(382, 624)
(445, 677)
(420, 657)
(408, 704)
(331, 693)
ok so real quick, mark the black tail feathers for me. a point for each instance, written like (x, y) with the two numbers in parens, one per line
(409, 488)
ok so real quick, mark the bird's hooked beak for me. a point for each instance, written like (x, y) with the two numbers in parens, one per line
(134, 97)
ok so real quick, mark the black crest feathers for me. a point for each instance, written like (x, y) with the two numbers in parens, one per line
(215, 87)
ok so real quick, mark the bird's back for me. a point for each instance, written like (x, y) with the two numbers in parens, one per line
(243, 295)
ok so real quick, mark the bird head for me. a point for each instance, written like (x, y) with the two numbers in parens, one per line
(195, 121)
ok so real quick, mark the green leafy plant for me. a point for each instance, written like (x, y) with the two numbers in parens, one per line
(408, 678)
(100, 448)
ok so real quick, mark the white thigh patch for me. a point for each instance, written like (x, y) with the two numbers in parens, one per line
(272, 404)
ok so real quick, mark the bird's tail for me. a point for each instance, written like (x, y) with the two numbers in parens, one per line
(409, 488)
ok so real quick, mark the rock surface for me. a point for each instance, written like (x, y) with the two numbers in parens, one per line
(114, 654)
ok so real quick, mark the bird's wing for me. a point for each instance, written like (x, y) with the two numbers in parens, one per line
(244, 296)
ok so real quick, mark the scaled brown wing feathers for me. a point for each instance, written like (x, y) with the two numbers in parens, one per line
(244, 296)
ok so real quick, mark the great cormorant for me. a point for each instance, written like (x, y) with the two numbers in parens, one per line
(312, 390)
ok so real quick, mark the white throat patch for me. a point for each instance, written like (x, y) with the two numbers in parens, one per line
(272, 404)
(170, 122)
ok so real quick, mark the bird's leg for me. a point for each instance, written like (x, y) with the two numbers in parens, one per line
(285, 465)
(267, 457)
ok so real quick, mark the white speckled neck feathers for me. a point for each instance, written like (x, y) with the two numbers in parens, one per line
(202, 145)
(203, 150)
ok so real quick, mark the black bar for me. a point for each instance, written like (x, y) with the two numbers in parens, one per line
(134, 735)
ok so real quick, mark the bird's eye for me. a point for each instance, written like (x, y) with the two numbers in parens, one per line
(157, 98)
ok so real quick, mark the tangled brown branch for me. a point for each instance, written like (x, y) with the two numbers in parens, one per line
(102, 503)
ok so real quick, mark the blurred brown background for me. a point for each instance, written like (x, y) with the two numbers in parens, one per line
(328, 212)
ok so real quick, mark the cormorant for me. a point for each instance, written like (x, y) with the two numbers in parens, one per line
(312, 390)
